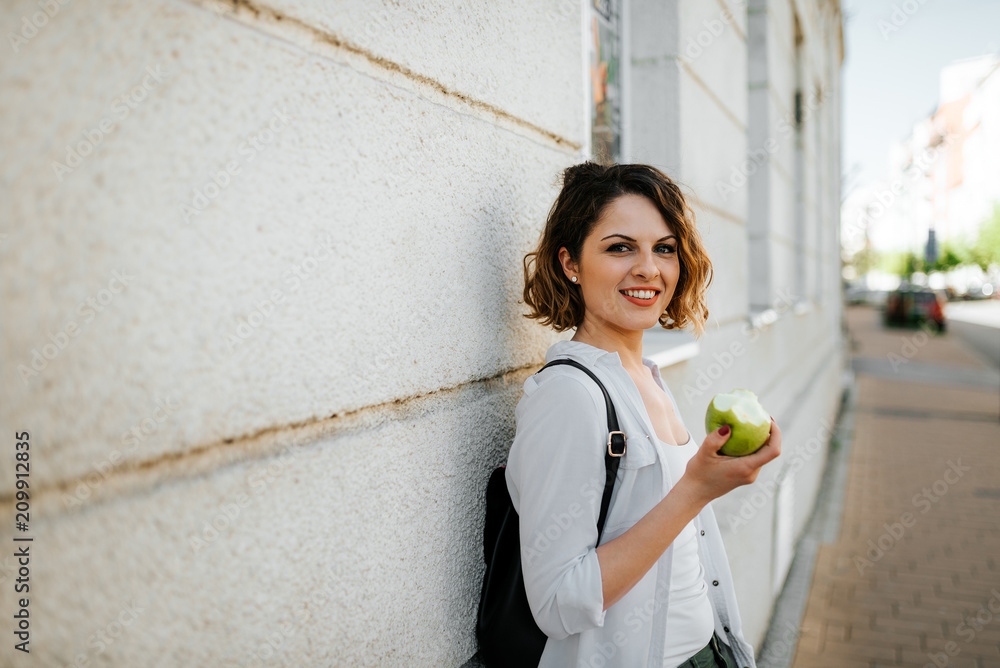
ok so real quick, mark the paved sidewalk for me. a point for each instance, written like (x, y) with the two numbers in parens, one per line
(912, 578)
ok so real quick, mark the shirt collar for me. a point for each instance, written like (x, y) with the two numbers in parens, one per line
(594, 356)
(582, 352)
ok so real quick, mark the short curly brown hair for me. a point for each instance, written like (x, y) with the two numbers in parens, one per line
(587, 189)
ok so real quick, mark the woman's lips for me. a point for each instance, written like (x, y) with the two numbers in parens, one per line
(641, 302)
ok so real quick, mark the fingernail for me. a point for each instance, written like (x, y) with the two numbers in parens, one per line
(724, 431)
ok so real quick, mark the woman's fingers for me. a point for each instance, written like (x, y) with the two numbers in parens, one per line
(774, 440)
(715, 475)
(770, 450)
(718, 438)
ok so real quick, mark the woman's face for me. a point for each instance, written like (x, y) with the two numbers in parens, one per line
(628, 266)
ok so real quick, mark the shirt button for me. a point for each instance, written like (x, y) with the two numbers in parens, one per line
(702, 532)
(726, 629)
(715, 583)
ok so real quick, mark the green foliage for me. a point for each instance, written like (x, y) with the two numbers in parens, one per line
(986, 250)
(892, 262)
(865, 260)
(953, 253)
(901, 263)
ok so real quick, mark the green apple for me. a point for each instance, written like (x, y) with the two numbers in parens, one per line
(749, 422)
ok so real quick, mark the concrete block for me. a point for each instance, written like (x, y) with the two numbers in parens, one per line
(272, 249)
(363, 546)
(522, 58)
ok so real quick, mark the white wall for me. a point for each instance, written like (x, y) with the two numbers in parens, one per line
(385, 218)
(266, 437)
(706, 69)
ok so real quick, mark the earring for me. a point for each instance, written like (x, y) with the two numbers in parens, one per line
(573, 279)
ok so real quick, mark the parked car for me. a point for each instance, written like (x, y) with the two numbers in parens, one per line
(913, 306)
(979, 291)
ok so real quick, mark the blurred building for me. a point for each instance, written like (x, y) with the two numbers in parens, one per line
(965, 183)
(943, 176)
(261, 271)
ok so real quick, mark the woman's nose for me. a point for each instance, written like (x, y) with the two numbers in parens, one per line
(645, 266)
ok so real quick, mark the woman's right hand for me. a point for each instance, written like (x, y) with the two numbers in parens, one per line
(626, 559)
(710, 475)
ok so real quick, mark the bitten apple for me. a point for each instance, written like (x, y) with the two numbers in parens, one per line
(749, 422)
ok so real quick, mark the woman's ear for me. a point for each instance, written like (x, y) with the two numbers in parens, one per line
(570, 268)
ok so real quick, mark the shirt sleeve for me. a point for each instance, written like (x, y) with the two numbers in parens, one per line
(556, 475)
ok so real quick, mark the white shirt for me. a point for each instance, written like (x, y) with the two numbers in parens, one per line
(555, 476)
(690, 624)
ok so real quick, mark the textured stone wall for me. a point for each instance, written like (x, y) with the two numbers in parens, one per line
(260, 316)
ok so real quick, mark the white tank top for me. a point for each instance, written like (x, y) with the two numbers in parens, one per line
(690, 619)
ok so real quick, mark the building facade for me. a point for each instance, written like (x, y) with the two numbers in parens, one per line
(262, 264)
(941, 180)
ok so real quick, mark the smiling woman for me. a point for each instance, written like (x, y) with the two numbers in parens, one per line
(644, 271)
(621, 200)
(620, 254)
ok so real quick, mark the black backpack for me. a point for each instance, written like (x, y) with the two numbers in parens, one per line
(505, 629)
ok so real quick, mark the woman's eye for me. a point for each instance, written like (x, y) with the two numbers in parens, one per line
(621, 248)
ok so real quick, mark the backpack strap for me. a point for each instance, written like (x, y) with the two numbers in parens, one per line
(615, 444)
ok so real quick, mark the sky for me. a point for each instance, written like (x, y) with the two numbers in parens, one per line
(891, 76)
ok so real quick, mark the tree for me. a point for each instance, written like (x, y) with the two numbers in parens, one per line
(903, 264)
(986, 250)
(864, 261)
(912, 263)
(951, 256)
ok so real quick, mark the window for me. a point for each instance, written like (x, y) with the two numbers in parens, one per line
(799, 279)
(606, 76)
(759, 205)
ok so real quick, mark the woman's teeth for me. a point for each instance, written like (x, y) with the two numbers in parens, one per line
(640, 294)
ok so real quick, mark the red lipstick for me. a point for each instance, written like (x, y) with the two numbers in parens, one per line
(641, 302)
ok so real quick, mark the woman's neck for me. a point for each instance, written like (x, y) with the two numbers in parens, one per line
(627, 343)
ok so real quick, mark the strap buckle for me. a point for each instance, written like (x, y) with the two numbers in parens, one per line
(616, 443)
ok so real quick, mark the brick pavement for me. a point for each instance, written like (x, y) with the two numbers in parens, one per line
(914, 577)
